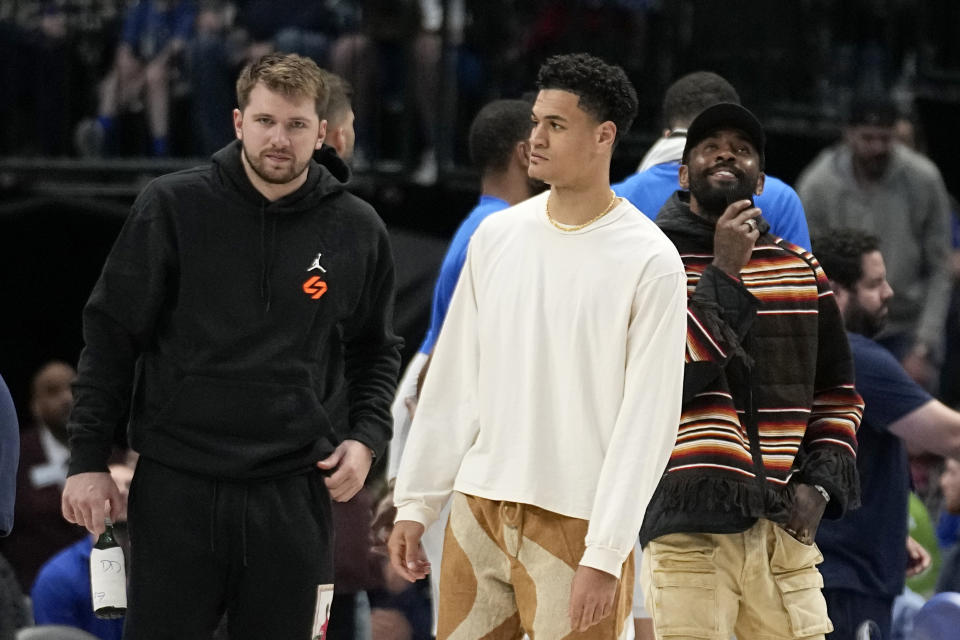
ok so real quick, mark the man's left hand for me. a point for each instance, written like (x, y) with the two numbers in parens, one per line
(351, 462)
(591, 597)
(917, 557)
(805, 513)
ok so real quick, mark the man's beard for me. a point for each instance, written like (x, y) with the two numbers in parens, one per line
(874, 167)
(714, 200)
(256, 163)
(859, 320)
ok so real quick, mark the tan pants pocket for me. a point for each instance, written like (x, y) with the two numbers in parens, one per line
(685, 605)
(804, 603)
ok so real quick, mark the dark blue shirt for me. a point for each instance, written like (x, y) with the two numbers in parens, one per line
(865, 551)
(61, 593)
(9, 458)
(649, 190)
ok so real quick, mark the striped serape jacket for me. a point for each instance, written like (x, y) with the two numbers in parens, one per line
(769, 398)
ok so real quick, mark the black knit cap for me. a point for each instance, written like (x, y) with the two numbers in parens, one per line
(725, 115)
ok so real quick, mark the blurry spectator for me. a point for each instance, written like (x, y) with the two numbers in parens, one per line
(950, 485)
(873, 183)
(291, 26)
(396, 51)
(40, 530)
(400, 611)
(353, 564)
(9, 458)
(228, 35)
(861, 581)
(61, 593)
(14, 612)
(51, 57)
(938, 619)
(214, 57)
(154, 34)
(12, 607)
(341, 135)
(656, 177)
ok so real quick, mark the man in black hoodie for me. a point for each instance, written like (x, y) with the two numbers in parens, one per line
(243, 313)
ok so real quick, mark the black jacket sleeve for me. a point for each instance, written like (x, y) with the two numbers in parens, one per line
(720, 311)
(119, 322)
(372, 352)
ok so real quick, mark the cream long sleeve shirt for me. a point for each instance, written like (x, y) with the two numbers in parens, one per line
(557, 377)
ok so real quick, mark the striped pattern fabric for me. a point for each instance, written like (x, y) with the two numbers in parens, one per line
(800, 400)
(768, 396)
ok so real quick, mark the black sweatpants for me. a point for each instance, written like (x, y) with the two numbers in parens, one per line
(201, 546)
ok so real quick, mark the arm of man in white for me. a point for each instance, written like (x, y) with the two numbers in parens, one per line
(646, 426)
(446, 423)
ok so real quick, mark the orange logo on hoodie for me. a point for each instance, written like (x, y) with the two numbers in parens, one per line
(315, 287)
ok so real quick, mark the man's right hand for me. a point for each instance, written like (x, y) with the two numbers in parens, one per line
(734, 237)
(89, 497)
(406, 554)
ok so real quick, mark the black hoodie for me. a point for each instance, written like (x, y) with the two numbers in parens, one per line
(236, 331)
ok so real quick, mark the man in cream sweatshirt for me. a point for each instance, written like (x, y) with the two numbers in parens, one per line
(553, 397)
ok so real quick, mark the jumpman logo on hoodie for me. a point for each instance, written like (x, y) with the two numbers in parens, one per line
(316, 264)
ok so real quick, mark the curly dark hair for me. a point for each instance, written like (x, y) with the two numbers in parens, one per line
(605, 91)
(691, 94)
(495, 131)
(840, 253)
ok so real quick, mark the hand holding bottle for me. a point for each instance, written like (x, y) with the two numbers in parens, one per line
(87, 497)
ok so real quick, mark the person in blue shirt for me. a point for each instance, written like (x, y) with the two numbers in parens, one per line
(153, 35)
(656, 177)
(61, 592)
(867, 554)
(500, 151)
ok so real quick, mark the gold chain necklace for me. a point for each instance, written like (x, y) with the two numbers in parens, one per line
(577, 227)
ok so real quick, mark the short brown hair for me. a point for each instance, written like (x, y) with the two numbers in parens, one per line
(285, 73)
(339, 97)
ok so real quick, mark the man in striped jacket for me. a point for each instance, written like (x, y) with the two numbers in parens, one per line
(767, 439)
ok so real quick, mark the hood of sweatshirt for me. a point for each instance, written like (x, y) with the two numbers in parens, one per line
(324, 178)
(676, 219)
